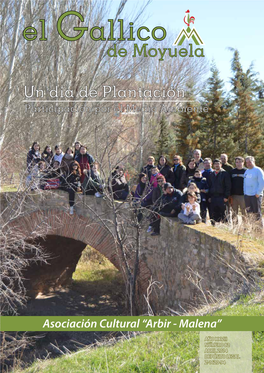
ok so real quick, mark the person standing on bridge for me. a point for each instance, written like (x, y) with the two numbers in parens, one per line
(148, 167)
(237, 189)
(207, 168)
(186, 174)
(139, 194)
(206, 172)
(219, 191)
(225, 165)
(165, 169)
(178, 169)
(202, 185)
(72, 184)
(253, 188)
(156, 206)
(197, 155)
(153, 183)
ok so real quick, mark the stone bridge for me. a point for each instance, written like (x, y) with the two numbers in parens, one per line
(185, 262)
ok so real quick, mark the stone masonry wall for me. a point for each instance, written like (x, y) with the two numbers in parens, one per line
(182, 251)
(178, 253)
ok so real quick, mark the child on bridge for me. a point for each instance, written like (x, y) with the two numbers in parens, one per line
(190, 213)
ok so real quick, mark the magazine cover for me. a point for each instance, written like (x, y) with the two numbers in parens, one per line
(131, 186)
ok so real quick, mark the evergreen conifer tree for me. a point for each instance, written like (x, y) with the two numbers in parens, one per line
(162, 144)
(188, 124)
(216, 129)
(247, 128)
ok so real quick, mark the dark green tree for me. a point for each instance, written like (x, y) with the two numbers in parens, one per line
(163, 142)
(260, 113)
(246, 120)
(216, 127)
(188, 125)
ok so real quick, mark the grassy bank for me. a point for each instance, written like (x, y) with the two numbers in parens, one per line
(97, 275)
(156, 351)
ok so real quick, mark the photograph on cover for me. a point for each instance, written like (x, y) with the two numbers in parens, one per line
(131, 150)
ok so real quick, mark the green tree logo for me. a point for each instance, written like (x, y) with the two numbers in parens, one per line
(188, 33)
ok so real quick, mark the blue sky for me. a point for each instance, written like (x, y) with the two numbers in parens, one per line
(221, 24)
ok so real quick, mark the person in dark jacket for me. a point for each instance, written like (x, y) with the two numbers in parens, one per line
(206, 172)
(119, 185)
(197, 155)
(67, 160)
(71, 183)
(170, 206)
(147, 168)
(171, 201)
(33, 156)
(202, 184)
(207, 168)
(156, 206)
(47, 156)
(225, 165)
(189, 172)
(140, 189)
(55, 171)
(85, 160)
(77, 147)
(219, 191)
(158, 191)
(153, 183)
(177, 169)
(200, 181)
(237, 186)
(139, 194)
(165, 169)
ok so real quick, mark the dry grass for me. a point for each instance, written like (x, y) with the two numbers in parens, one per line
(245, 226)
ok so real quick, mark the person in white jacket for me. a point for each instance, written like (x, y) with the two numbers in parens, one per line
(58, 154)
(253, 188)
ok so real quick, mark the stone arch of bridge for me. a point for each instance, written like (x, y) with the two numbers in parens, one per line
(69, 234)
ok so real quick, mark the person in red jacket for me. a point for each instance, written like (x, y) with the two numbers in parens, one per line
(84, 161)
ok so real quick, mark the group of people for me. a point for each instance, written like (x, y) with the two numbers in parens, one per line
(203, 187)
(73, 171)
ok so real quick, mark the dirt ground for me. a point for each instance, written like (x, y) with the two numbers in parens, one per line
(76, 301)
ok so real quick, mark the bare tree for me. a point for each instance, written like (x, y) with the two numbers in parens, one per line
(17, 252)
(56, 63)
(122, 223)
